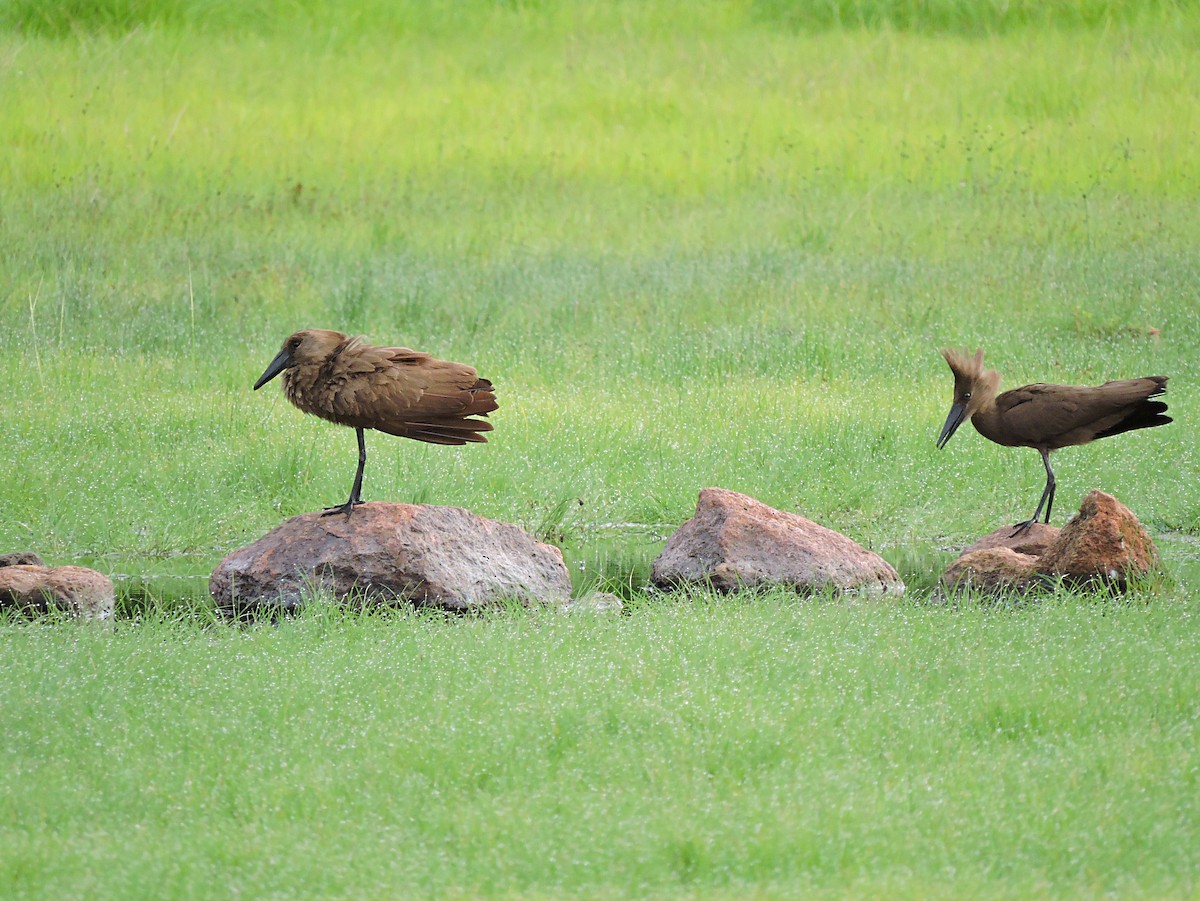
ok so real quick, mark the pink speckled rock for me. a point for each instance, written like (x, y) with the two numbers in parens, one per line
(734, 541)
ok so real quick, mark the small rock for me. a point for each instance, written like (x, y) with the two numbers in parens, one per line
(388, 554)
(80, 591)
(1032, 541)
(734, 541)
(992, 570)
(1103, 544)
(21, 558)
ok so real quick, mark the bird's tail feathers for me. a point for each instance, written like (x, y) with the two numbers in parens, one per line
(478, 400)
(442, 431)
(1137, 388)
(483, 399)
(1146, 415)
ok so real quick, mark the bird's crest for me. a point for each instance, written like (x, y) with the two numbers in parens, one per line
(962, 364)
(973, 385)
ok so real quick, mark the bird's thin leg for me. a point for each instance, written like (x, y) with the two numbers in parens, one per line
(355, 492)
(1047, 496)
(1051, 484)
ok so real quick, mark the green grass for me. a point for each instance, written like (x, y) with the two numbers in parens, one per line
(769, 748)
(74, 17)
(701, 244)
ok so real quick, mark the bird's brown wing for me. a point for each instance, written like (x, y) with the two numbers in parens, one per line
(408, 393)
(1054, 416)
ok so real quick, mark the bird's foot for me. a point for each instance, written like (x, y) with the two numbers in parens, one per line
(1022, 527)
(346, 508)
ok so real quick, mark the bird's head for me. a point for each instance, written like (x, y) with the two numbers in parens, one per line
(304, 348)
(974, 388)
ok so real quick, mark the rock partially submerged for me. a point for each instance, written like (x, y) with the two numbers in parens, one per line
(388, 554)
(734, 542)
(1104, 545)
(597, 602)
(34, 588)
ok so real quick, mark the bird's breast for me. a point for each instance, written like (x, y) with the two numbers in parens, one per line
(990, 424)
(308, 391)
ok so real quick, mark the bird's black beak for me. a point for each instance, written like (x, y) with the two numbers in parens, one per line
(957, 414)
(282, 361)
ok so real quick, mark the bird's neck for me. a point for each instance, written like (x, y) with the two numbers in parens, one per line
(987, 422)
(986, 417)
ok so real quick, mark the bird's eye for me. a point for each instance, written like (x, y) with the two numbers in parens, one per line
(967, 396)
(294, 343)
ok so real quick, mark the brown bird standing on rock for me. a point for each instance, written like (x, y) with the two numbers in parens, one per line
(391, 389)
(1047, 417)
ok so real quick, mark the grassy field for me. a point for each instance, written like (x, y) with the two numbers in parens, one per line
(692, 244)
(717, 749)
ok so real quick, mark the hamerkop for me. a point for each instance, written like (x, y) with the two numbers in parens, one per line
(390, 389)
(1047, 417)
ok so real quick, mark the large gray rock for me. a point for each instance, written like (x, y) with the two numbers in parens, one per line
(734, 541)
(389, 554)
(80, 591)
(1103, 544)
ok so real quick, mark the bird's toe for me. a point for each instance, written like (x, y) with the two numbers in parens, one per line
(346, 508)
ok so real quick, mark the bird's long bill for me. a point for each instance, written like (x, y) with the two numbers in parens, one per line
(281, 362)
(957, 414)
